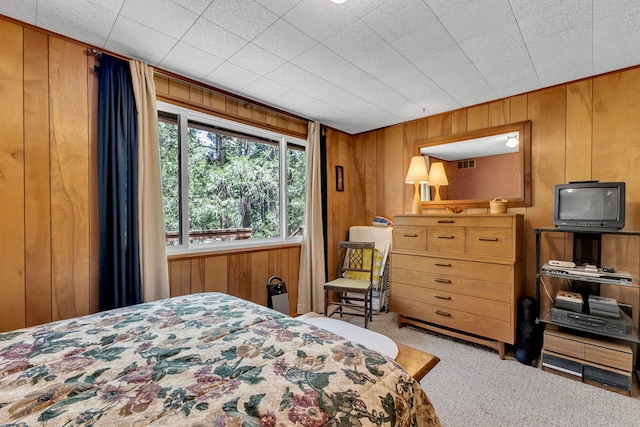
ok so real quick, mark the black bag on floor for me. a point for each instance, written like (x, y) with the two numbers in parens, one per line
(277, 297)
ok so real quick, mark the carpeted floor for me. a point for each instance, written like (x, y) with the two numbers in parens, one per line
(471, 386)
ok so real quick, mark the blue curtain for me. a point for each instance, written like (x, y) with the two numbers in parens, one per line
(118, 186)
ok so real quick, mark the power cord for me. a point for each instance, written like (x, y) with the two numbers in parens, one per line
(546, 291)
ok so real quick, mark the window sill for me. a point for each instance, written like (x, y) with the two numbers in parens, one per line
(213, 251)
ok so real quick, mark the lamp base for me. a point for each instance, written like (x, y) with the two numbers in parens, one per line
(416, 208)
(437, 199)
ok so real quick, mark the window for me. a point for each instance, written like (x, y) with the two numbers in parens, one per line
(228, 184)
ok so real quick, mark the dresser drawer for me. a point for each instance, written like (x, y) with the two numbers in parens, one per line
(502, 273)
(467, 221)
(454, 301)
(493, 291)
(460, 320)
(446, 239)
(609, 357)
(490, 242)
(564, 346)
(410, 237)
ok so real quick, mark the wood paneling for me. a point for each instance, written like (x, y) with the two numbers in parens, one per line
(242, 273)
(37, 183)
(583, 130)
(69, 144)
(12, 184)
(192, 95)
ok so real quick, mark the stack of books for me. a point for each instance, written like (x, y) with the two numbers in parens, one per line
(603, 306)
(571, 301)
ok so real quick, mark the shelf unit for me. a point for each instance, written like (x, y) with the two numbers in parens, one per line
(580, 336)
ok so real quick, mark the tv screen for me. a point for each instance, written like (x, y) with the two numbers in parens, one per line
(589, 206)
(596, 203)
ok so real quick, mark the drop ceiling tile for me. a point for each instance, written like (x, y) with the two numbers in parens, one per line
(284, 40)
(557, 18)
(508, 71)
(294, 100)
(355, 41)
(319, 60)
(196, 6)
(331, 94)
(319, 19)
(256, 59)
(231, 76)
(245, 18)
(449, 59)
(418, 89)
(138, 41)
(436, 102)
(210, 37)
(279, 7)
(186, 58)
(563, 57)
(164, 16)
(616, 37)
(400, 76)
(523, 8)
(424, 41)
(441, 8)
(505, 37)
(22, 10)
(476, 18)
(290, 75)
(112, 5)
(265, 89)
(76, 19)
(397, 18)
(382, 62)
(465, 85)
(361, 8)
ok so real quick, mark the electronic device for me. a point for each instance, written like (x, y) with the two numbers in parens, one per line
(577, 273)
(589, 206)
(557, 263)
(587, 322)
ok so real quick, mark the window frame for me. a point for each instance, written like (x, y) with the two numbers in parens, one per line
(185, 115)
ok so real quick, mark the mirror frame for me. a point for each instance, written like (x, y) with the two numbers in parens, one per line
(524, 131)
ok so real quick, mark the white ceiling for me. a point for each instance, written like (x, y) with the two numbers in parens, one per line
(363, 64)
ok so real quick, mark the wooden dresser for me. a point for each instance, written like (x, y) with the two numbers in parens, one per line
(460, 275)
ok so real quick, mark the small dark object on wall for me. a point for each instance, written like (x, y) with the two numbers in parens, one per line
(339, 178)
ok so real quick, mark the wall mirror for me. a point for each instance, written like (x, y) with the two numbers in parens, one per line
(480, 166)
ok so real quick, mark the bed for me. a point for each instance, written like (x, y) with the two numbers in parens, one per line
(203, 359)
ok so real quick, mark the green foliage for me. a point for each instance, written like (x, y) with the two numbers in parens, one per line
(233, 182)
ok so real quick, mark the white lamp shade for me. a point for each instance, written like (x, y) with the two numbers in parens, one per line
(417, 171)
(437, 175)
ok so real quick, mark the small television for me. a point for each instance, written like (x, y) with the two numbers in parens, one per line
(589, 206)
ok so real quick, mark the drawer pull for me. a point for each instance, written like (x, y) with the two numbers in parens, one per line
(442, 264)
(488, 239)
(445, 221)
(445, 237)
(442, 297)
(442, 313)
(410, 235)
(442, 280)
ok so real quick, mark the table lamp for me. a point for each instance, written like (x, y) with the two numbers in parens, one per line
(437, 177)
(417, 175)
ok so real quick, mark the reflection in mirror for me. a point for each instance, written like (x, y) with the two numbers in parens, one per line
(481, 165)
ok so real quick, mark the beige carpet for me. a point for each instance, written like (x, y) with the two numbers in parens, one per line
(471, 386)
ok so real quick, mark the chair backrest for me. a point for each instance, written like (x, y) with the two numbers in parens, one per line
(382, 238)
(356, 260)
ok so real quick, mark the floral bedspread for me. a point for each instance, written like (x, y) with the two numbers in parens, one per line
(201, 360)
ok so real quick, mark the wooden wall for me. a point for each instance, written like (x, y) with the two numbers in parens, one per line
(242, 273)
(48, 182)
(582, 130)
